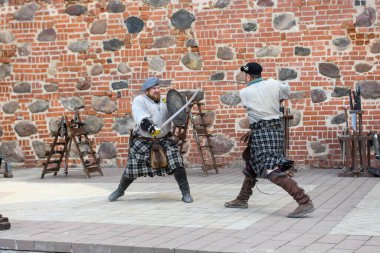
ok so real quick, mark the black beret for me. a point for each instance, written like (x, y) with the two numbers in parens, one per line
(252, 68)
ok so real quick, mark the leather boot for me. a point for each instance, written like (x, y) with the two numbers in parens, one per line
(181, 178)
(123, 185)
(305, 205)
(245, 193)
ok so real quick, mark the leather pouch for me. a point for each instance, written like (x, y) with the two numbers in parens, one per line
(158, 157)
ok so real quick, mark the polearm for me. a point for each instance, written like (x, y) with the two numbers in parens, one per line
(345, 132)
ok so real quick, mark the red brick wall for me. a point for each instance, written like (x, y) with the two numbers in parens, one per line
(317, 24)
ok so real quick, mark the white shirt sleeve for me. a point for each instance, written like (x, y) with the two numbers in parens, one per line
(284, 91)
(139, 110)
(242, 98)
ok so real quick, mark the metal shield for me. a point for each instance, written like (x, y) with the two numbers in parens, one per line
(176, 101)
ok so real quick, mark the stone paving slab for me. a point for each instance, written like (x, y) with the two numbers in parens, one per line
(58, 214)
(364, 218)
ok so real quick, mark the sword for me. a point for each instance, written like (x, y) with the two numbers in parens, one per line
(352, 111)
(376, 145)
(226, 81)
(179, 111)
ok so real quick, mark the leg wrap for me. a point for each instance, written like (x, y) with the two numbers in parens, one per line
(123, 185)
(291, 187)
(305, 205)
(245, 193)
(181, 178)
(246, 189)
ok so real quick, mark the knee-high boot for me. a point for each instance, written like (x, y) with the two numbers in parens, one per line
(245, 193)
(123, 185)
(305, 205)
(181, 178)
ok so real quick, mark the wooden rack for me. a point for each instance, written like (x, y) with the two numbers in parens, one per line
(356, 149)
(201, 136)
(7, 172)
(71, 133)
(4, 223)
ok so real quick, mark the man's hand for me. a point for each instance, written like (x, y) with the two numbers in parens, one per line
(147, 125)
(154, 131)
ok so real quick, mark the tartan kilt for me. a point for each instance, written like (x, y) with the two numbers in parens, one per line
(138, 163)
(267, 147)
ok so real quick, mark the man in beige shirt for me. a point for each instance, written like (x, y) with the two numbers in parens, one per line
(265, 157)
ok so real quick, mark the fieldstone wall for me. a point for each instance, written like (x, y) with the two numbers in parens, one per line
(56, 55)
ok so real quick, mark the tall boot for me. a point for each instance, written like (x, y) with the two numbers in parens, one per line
(305, 205)
(123, 185)
(245, 193)
(181, 178)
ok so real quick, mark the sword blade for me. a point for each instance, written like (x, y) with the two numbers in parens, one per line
(353, 121)
(179, 111)
(226, 81)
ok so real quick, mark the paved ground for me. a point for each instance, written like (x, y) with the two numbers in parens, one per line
(58, 214)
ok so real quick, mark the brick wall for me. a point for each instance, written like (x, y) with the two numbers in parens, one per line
(56, 55)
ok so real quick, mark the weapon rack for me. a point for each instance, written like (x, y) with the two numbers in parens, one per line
(356, 149)
(71, 133)
(7, 168)
(4, 223)
(355, 145)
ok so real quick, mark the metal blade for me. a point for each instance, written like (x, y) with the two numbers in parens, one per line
(353, 121)
(376, 145)
(226, 81)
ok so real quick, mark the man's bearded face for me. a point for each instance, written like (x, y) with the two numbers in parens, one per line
(154, 93)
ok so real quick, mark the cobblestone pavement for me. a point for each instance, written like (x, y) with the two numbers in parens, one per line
(58, 214)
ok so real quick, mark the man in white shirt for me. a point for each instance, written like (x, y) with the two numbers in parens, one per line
(149, 111)
(265, 157)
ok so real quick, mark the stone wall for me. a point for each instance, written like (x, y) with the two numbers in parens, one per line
(56, 55)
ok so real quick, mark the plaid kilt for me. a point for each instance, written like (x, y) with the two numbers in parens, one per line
(266, 148)
(139, 158)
